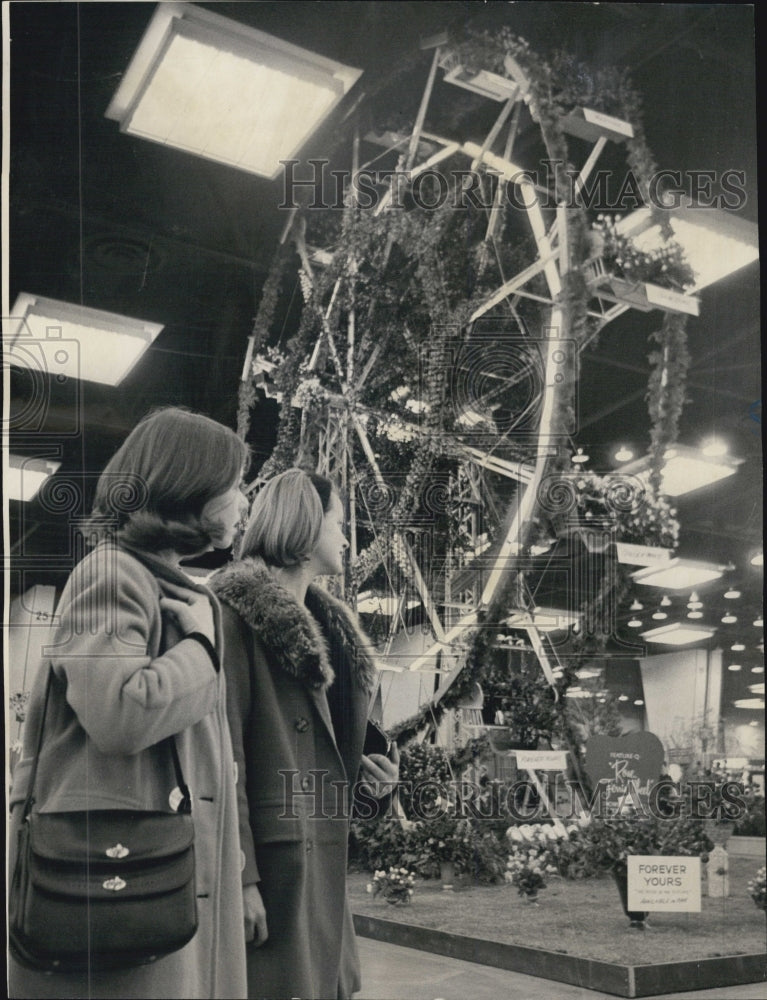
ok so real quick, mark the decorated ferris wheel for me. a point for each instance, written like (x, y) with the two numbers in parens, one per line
(432, 364)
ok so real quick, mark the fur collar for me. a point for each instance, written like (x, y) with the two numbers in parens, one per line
(296, 635)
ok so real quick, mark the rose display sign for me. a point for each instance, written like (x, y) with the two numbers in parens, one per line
(626, 767)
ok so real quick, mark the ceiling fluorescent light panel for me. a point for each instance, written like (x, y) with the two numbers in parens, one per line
(226, 92)
(678, 574)
(66, 340)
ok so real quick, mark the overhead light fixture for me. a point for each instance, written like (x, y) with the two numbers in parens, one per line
(636, 606)
(732, 594)
(579, 458)
(757, 670)
(737, 647)
(685, 469)
(749, 703)
(638, 701)
(587, 673)
(756, 688)
(635, 623)
(623, 454)
(695, 614)
(694, 603)
(25, 476)
(659, 616)
(66, 340)
(225, 91)
(734, 667)
(578, 692)
(753, 722)
(759, 622)
(623, 697)
(714, 448)
(678, 634)
(678, 574)
(716, 243)
(758, 559)
(729, 619)
(665, 601)
(543, 619)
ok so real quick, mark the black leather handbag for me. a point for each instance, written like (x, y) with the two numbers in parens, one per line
(102, 889)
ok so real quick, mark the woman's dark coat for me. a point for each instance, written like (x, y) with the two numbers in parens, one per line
(299, 680)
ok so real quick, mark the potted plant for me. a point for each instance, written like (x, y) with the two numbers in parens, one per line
(394, 885)
(443, 843)
(757, 889)
(533, 856)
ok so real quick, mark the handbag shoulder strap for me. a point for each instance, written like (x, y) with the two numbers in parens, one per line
(185, 806)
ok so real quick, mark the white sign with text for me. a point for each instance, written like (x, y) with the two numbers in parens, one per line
(663, 883)
(541, 760)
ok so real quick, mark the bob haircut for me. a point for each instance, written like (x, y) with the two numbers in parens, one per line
(153, 490)
(286, 518)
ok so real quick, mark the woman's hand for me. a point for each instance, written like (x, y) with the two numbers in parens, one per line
(255, 915)
(192, 611)
(380, 774)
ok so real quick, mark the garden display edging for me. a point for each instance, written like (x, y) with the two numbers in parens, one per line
(620, 980)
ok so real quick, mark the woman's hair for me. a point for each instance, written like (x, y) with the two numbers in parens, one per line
(153, 490)
(286, 518)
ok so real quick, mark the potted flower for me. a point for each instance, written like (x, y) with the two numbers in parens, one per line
(444, 843)
(532, 859)
(394, 885)
(757, 889)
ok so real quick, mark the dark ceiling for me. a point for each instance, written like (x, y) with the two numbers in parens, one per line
(129, 226)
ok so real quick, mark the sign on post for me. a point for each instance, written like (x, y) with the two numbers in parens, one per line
(670, 884)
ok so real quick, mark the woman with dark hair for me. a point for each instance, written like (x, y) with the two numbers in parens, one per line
(135, 659)
(299, 679)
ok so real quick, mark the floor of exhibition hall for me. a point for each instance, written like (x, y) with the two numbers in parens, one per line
(390, 972)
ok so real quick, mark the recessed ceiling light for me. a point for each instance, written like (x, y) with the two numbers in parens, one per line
(734, 667)
(714, 447)
(677, 574)
(25, 476)
(66, 340)
(623, 697)
(638, 701)
(221, 90)
(685, 469)
(679, 634)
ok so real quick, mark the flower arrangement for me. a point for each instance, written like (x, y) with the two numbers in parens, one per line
(665, 266)
(610, 841)
(633, 509)
(395, 885)
(531, 861)
(757, 889)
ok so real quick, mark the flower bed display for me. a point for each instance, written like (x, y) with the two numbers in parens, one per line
(579, 934)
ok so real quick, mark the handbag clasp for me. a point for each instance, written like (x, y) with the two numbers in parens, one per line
(118, 851)
(114, 884)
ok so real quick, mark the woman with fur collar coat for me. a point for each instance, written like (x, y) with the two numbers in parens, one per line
(299, 680)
